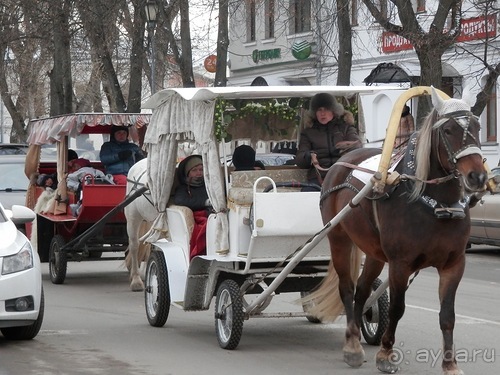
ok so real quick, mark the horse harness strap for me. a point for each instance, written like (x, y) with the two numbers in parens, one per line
(442, 211)
(146, 193)
(345, 184)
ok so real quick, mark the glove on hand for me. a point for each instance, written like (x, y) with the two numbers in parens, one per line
(124, 155)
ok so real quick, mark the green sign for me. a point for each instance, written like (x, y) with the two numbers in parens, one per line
(301, 50)
(266, 54)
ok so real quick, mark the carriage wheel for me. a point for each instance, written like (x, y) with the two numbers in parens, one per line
(228, 315)
(156, 291)
(306, 306)
(58, 263)
(376, 319)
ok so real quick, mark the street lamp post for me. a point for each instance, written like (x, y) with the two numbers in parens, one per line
(151, 13)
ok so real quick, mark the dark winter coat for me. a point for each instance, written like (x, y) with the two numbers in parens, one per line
(321, 139)
(193, 196)
(111, 161)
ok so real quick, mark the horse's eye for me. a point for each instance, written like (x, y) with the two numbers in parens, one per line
(447, 130)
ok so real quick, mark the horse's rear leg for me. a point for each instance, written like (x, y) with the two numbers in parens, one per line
(449, 278)
(342, 251)
(371, 270)
(398, 281)
(136, 284)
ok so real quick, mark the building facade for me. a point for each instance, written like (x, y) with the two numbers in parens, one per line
(295, 42)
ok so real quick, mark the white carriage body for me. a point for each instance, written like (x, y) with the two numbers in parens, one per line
(264, 229)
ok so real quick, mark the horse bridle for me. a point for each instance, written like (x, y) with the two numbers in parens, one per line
(462, 118)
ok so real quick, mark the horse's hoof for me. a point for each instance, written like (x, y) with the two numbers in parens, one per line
(137, 287)
(453, 372)
(383, 365)
(354, 359)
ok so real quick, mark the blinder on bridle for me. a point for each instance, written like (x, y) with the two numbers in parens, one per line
(462, 118)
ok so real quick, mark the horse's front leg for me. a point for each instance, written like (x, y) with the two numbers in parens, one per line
(398, 281)
(449, 278)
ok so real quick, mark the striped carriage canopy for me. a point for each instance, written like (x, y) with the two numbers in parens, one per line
(54, 129)
(181, 114)
(57, 129)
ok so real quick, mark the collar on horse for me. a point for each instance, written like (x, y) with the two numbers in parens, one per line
(440, 210)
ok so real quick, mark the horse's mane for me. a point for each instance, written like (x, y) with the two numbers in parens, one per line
(423, 154)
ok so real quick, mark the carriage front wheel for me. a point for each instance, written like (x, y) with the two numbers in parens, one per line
(229, 314)
(376, 319)
(58, 262)
(156, 290)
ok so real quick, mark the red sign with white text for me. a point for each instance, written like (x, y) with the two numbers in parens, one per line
(472, 29)
(478, 28)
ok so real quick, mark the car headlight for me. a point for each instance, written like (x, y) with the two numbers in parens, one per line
(21, 261)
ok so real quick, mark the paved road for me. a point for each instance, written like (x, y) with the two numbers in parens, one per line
(95, 325)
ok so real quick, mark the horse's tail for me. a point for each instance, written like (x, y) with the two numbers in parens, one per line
(324, 303)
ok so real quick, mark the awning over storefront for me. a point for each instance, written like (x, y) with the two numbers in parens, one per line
(402, 72)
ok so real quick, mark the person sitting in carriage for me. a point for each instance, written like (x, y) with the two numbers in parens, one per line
(330, 134)
(78, 170)
(119, 154)
(191, 192)
(244, 159)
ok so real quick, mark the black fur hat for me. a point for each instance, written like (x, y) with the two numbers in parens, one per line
(243, 158)
(326, 101)
(116, 128)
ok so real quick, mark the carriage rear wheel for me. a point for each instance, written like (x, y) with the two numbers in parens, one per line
(376, 319)
(58, 262)
(229, 314)
(156, 291)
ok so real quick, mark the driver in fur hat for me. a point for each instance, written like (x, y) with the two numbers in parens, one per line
(331, 133)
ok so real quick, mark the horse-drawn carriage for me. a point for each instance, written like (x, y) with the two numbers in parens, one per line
(263, 240)
(61, 232)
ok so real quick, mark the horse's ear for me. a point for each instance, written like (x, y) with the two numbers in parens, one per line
(437, 101)
(468, 96)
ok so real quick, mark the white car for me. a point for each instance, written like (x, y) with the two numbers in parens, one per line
(21, 291)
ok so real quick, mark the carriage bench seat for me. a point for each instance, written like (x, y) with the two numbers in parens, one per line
(181, 223)
(281, 222)
(99, 199)
(242, 182)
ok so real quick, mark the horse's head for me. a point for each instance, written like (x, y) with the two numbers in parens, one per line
(449, 138)
(456, 142)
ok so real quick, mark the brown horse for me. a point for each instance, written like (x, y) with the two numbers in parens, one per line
(423, 221)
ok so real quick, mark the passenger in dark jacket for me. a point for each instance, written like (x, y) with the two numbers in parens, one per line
(332, 134)
(192, 193)
(118, 155)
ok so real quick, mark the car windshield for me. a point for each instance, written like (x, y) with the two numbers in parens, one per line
(13, 177)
